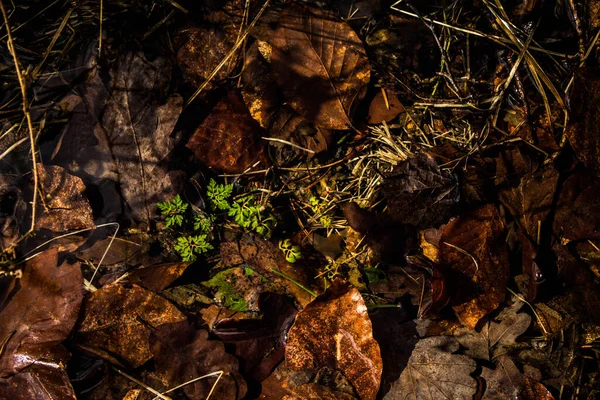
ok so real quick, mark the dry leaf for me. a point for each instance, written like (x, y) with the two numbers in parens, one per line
(182, 354)
(116, 322)
(65, 206)
(382, 111)
(533, 390)
(229, 139)
(321, 66)
(335, 331)
(433, 372)
(39, 313)
(474, 251)
(578, 208)
(157, 277)
(504, 381)
(48, 381)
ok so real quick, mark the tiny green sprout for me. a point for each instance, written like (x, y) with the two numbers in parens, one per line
(318, 208)
(291, 252)
(247, 214)
(173, 210)
(326, 221)
(189, 247)
(218, 195)
(203, 222)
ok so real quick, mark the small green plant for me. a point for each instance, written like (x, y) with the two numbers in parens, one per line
(318, 208)
(247, 214)
(189, 247)
(218, 194)
(173, 211)
(203, 222)
(290, 251)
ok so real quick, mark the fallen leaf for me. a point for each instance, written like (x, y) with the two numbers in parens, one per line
(182, 354)
(116, 323)
(229, 139)
(474, 251)
(49, 381)
(321, 66)
(335, 331)
(12, 210)
(434, 372)
(496, 336)
(504, 381)
(39, 314)
(578, 208)
(65, 206)
(264, 257)
(419, 193)
(533, 390)
(157, 277)
(259, 342)
(381, 110)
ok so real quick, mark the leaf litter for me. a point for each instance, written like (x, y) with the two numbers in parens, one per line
(381, 201)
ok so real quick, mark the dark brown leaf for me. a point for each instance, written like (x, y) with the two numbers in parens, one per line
(433, 372)
(321, 66)
(116, 323)
(40, 382)
(66, 207)
(12, 210)
(182, 354)
(578, 208)
(473, 249)
(229, 139)
(40, 313)
(157, 277)
(335, 331)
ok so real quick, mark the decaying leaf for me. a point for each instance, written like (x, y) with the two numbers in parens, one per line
(578, 208)
(264, 256)
(335, 331)
(41, 381)
(182, 354)
(533, 390)
(116, 323)
(321, 66)
(434, 372)
(39, 314)
(473, 249)
(419, 193)
(504, 381)
(65, 206)
(229, 139)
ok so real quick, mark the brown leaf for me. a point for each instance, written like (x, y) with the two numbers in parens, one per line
(582, 133)
(12, 210)
(335, 331)
(182, 354)
(472, 246)
(41, 382)
(578, 208)
(116, 323)
(67, 208)
(157, 277)
(504, 381)
(40, 313)
(533, 390)
(433, 372)
(321, 66)
(264, 256)
(229, 139)
(381, 110)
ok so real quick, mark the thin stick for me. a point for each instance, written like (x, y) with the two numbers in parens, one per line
(23, 85)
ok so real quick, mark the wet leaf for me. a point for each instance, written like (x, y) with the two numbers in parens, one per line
(65, 206)
(434, 372)
(473, 249)
(182, 354)
(335, 331)
(40, 313)
(321, 66)
(42, 382)
(116, 323)
(229, 139)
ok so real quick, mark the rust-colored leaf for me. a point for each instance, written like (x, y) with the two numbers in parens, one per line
(533, 390)
(229, 139)
(66, 207)
(384, 108)
(39, 313)
(473, 249)
(116, 323)
(335, 331)
(181, 354)
(321, 66)
(158, 277)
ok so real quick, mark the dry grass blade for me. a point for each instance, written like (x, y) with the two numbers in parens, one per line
(25, 107)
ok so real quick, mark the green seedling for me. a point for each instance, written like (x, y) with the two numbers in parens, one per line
(318, 208)
(173, 211)
(219, 195)
(247, 214)
(291, 252)
(189, 247)
(203, 223)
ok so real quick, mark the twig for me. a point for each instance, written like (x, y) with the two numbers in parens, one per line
(25, 104)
